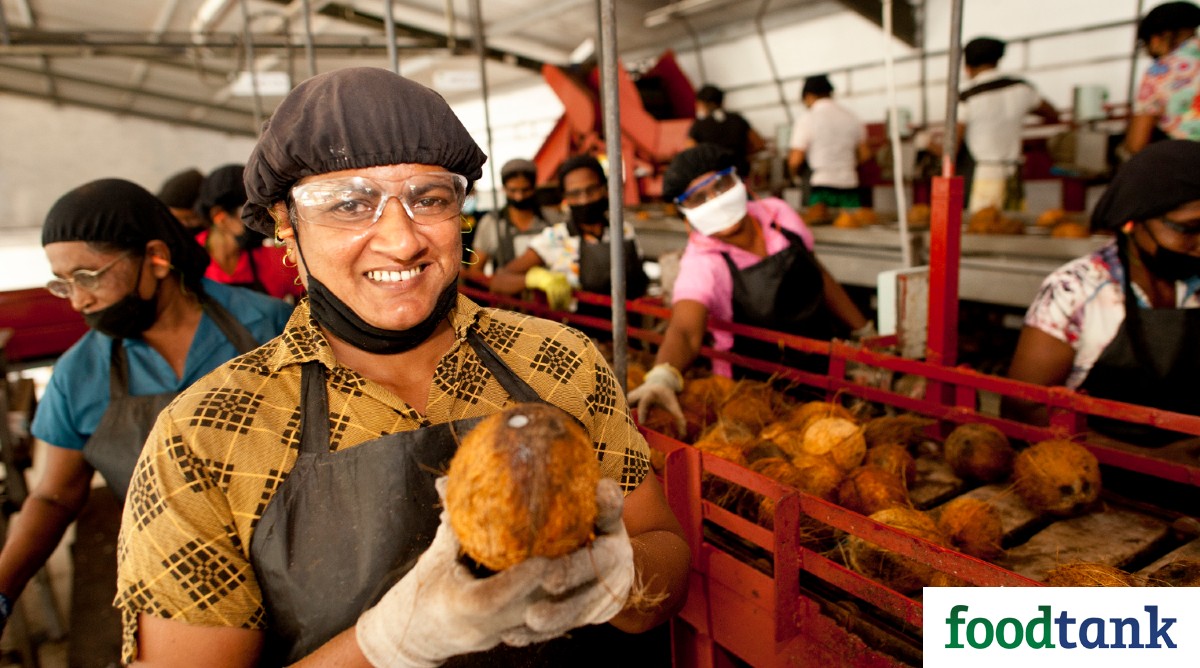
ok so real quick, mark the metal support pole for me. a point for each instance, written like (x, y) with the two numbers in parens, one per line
(5, 37)
(481, 49)
(451, 35)
(389, 28)
(310, 53)
(762, 38)
(1133, 57)
(950, 136)
(616, 183)
(249, 44)
(922, 75)
(906, 251)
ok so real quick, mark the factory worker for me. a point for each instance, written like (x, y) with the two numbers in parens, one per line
(287, 508)
(1122, 322)
(749, 261)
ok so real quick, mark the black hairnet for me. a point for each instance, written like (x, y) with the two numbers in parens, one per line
(818, 85)
(519, 167)
(1158, 179)
(180, 191)
(711, 94)
(1168, 17)
(695, 161)
(350, 119)
(124, 215)
(582, 162)
(222, 187)
(983, 51)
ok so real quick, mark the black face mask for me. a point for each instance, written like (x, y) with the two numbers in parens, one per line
(591, 213)
(336, 316)
(527, 204)
(1168, 264)
(129, 317)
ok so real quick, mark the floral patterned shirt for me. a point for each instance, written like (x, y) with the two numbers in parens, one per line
(1169, 90)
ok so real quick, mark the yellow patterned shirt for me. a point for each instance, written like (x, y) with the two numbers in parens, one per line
(219, 452)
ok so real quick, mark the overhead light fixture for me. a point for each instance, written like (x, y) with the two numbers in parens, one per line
(582, 52)
(664, 15)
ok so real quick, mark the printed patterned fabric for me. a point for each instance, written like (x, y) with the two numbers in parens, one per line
(1082, 304)
(220, 451)
(1169, 90)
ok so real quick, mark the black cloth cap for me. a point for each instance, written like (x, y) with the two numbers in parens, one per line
(582, 162)
(983, 51)
(180, 191)
(519, 167)
(222, 187)
(124, 215)
(351, 119)
(693, 162)
(711, 94)
(1168, 17)
(818, 85)
(1158, 179)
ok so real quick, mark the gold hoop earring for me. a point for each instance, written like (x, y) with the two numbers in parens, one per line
(474, 257)
(288, 256)
(465, 223)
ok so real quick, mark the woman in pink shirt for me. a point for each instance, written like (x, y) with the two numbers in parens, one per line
(746, 261)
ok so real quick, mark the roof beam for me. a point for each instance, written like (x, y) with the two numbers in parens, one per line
(904, 22)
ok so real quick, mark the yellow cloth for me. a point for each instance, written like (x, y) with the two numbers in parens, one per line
(219, 452)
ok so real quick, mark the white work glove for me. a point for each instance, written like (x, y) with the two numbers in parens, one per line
(440, 609)
(660, 387)
(588, 586)
(865, 332)
(556, 286)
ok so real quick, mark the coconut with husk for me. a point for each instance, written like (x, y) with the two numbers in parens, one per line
(893, 458)
(906, 430)
(1057, 477)
(523, 484)
(838, 439)
(973, 526)
(898, 572)
(1178, 573)
(699, 401)
(868, 490)
(751, 403)
(787, 436)
(978, 451)
(1085, 574)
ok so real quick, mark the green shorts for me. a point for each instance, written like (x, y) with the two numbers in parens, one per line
(838, 198)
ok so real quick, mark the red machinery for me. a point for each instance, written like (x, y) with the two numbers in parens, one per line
(648, 140)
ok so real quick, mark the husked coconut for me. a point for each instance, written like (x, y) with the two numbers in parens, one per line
(893, 458)
(838, 439)
(523, 484)
(979, 451)
(868, 490)
(1178, 573)
(1057, 477)
(898, 572)
(751, 403)
(973, 526)
(699, 401)
(906, 430)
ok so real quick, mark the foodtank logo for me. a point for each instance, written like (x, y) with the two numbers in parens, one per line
(1030, 627)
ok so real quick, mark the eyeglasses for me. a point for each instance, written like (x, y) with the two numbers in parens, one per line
(709, 188)
(1190, 228)
(87, 279)
(356, 203)
(589, 192)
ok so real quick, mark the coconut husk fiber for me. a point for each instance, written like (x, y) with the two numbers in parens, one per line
(906, 430)
(1057, 477)
(752, 404)
(868, 490)
(523, 484)
(838, 439)
(1084, 574)
(898, 572)
(895, 459)
(978, 451)
(1178, 573)
(973, 526)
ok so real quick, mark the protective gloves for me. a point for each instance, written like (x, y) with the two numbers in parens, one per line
(440, 609)
(865, 332)
(555, 285)
(660, 387)
(588, 586)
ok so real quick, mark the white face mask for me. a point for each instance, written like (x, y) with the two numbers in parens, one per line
(719, 213)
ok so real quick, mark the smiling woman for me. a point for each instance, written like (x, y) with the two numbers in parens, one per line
(354, 411)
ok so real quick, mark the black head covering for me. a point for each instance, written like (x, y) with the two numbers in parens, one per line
(350, 119)
(1168, 17)
(124, 215)
(222, 187)
(983, 51)
(582, 162)
(818, 85)
(693, 162)
(1158, 179)
(519, 167)
(180, 191)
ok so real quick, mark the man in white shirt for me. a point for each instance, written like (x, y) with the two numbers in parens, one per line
(833, 140)
(991, 115)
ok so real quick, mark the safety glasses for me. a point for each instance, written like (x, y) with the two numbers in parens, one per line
(87, 279)
(356, 203)
(707, 189)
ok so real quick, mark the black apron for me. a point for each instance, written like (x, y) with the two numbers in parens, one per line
(345, 526)
(1154, 361)
(784, 292)
(114, 447)
(507, 234)
(595, 268)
